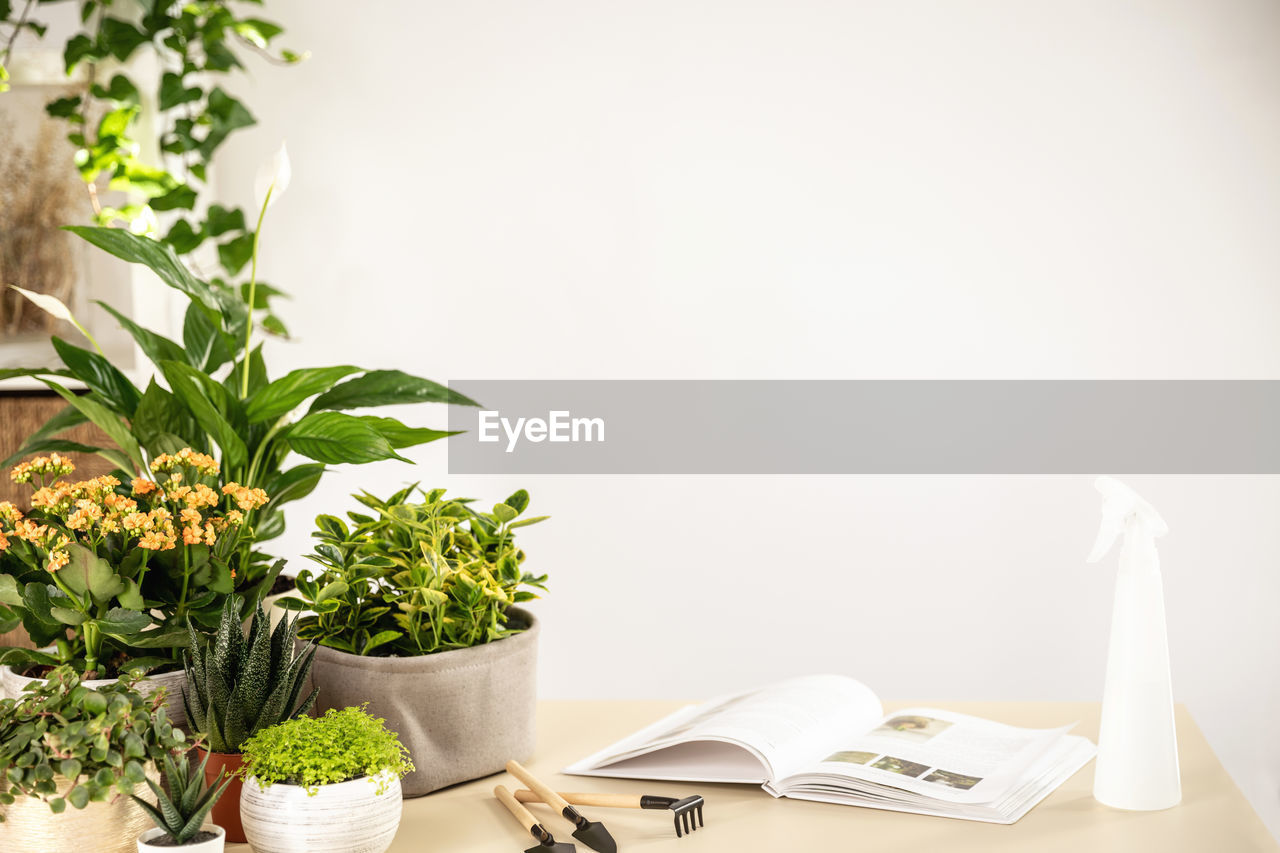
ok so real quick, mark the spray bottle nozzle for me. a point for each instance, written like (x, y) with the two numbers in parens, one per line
(1121, 508)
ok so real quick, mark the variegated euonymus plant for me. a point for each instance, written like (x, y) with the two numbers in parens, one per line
(238, 685)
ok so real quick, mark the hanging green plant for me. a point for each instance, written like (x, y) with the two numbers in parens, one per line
(196, 44)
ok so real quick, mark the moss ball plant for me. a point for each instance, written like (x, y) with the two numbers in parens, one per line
(312, 751)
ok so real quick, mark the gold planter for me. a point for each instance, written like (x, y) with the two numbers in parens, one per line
(112, 826)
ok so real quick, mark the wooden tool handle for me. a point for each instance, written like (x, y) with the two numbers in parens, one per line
(526, 818)
(606, 801)
(545, 794)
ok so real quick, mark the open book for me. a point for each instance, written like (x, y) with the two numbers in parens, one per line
(827, 738)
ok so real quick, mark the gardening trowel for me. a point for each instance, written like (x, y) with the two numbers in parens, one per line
(589, 832)
(546, 841)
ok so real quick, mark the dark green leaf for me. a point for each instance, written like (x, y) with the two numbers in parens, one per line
(78, 47)
(221, 220)
(119, 621)
(120, 89)
(161, 414)
(173, 92)
(181, 197)
(290, 390)
(99, 375)
(63, 107)
(183, 238)
(156, 347)
(207, 345)
(191, 386)
(105, 419)
(121, 38)
(161, 260)
(294, 483)
(235, 253)
(399, 435)
(386, 388)
(333, 438)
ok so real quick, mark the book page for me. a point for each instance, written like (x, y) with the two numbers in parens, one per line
(773, 727)
(940, 754)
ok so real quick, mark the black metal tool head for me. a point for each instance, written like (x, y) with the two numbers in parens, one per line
(547, 842)
(591, 832)
(688, 811)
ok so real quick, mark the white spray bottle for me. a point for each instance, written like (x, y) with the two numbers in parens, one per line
(1137, 764)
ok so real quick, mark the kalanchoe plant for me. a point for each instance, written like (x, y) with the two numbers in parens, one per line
(184, 801)
(220, 400)
(109, 573)
(417, 578)
(312, 751)
(238, 685)
(99, 741)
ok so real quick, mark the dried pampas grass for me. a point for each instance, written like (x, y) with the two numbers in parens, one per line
(40, 191)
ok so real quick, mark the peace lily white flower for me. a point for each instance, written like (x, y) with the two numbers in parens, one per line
(47, 302)
(272, 179)
(56, 308)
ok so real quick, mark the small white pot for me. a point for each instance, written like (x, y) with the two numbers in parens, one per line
(12, 686)
(350, 817)
(213, 845)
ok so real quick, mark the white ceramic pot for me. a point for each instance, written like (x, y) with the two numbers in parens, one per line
(12, 684)
(110, 826)
(350, 817)
(212, 845)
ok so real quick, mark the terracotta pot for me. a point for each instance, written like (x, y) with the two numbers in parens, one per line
(226, 812)
(12, 685)
(462, 713)
(359, 816)
(111, 826)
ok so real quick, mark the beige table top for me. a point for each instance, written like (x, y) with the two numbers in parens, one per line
(1213, 816)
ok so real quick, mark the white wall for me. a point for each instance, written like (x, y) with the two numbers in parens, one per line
(809, 189)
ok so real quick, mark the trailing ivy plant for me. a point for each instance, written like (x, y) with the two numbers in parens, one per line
(99, 740)
(420, 577)
(195, 43)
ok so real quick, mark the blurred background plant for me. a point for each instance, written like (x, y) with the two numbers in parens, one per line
(135, 170)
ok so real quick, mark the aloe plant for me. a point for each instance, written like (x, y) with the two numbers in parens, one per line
(238, 685)
(181, 812)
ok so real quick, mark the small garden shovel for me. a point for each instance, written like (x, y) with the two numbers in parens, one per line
(546, 841)
(589, 832)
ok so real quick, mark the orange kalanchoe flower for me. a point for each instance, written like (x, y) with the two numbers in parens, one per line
(247, 499)
(53, 465)
(143, 487)
(203, 463)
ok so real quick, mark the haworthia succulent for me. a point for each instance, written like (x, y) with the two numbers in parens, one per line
(236, 686)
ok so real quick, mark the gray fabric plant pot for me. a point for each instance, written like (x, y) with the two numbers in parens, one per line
(463, 713)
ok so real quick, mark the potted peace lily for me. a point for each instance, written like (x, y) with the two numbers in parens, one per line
(326, 784)
(414, 613)
(104, 575)
(212, 392)
(70, 757)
